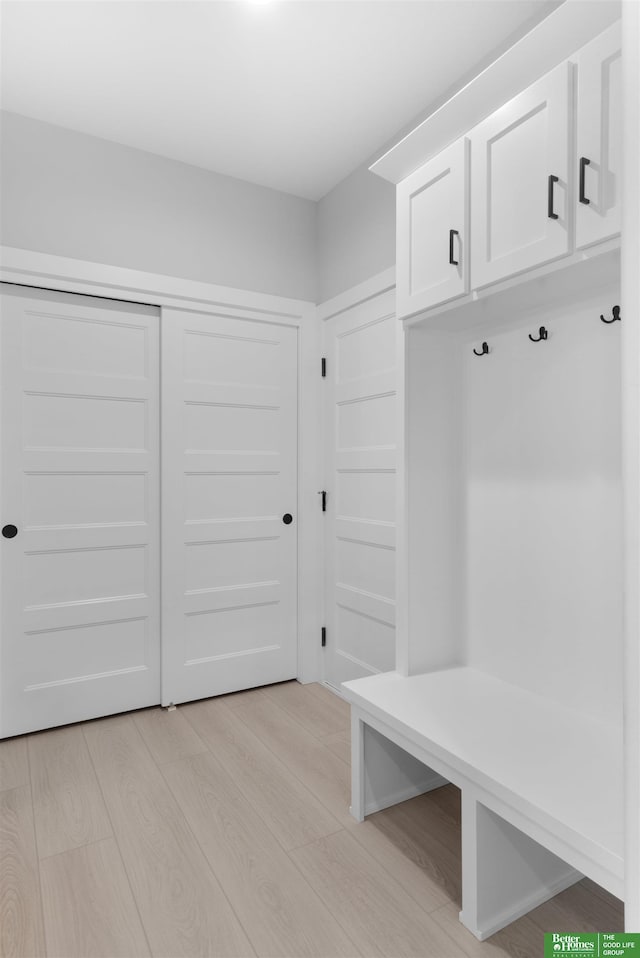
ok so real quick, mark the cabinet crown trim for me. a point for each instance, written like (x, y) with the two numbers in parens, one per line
(553, 40)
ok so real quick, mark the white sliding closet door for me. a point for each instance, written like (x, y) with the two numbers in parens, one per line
(229, 460)
(79, 508)
(361, 430)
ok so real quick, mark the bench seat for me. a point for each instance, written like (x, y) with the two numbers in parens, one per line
(553, 773)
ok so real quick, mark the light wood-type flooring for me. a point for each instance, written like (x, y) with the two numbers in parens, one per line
(222, 828)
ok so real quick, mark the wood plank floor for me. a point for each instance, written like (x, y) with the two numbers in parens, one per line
(222, 829)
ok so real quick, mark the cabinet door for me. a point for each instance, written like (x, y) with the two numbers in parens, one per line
(432, 217)
(599, 137)
(520, 197)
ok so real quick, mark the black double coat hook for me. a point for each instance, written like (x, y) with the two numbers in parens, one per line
(616, 316)
(542, 334)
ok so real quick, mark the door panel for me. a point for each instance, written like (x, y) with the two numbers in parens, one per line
(91, 649)
(80, 480)
(513, 154)
(600, 136)
(229, 476)
(85, 575)
(361, 428)
(55, 422)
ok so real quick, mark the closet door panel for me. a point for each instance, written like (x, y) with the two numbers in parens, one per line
(361, 435)
(520, 217)
(80, 464)
(599, 143)
(229, 478)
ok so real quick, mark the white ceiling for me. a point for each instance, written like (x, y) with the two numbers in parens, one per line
(292, 95)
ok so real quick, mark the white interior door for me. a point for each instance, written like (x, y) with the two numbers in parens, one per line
(79, 483)
(361, 430)
(229, 461)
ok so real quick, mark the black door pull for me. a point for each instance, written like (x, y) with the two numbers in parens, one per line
(452, 261)
(9, 532)
(287, 518)
(552, 216)
(584, 163)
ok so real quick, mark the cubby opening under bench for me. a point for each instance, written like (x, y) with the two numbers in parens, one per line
(541, 784)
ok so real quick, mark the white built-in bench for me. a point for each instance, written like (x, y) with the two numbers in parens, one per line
(542, 789)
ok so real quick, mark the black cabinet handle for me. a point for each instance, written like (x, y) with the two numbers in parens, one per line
(584, 163)
(552, 216)
(10, 532)
(287, 518)
(452, 261)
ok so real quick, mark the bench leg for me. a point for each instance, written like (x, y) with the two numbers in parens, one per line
(357, 766)
(504, 872)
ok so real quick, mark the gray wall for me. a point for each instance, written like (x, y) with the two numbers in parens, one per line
(356, 232)
(79, 196)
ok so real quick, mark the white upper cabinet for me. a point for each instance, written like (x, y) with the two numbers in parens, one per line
(432, 231)
(534, 181)
(599, 136)
(521, 207)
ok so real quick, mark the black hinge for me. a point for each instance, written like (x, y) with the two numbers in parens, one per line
(324, 636)
(323, 493)
(324, 366)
